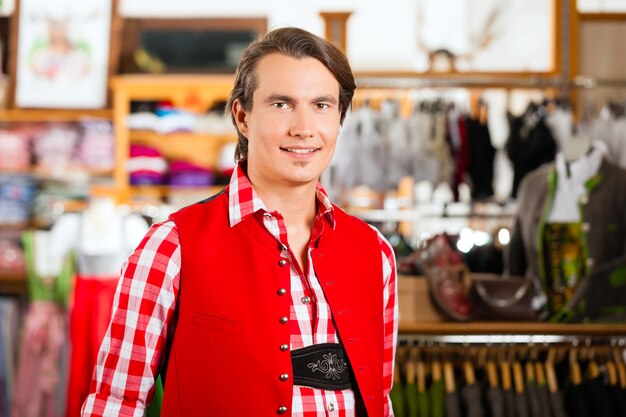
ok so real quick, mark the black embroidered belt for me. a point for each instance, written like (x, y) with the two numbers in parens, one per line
(323, 366)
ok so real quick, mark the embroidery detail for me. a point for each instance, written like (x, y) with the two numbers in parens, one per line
(330, 366)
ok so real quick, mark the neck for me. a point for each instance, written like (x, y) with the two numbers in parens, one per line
(297, 204)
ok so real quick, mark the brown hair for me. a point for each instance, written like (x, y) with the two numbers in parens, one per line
(296, 43)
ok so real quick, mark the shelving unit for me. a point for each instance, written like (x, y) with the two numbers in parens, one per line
(13, 284)
(196, 93)
(52, 115)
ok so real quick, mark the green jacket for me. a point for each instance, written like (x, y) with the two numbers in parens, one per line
(603, 212)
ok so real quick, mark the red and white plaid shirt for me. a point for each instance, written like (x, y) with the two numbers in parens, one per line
(146, 299)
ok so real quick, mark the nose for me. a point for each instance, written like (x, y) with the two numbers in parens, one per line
(301, 124)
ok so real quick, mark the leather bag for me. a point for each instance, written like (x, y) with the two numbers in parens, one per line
(502, 298)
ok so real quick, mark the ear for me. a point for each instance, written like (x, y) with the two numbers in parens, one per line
(240, 117)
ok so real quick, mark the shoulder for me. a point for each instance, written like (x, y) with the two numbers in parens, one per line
(358, 228)
(535, 181)
(202, 206)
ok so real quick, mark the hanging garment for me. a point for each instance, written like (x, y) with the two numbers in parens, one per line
(397, 400)
(544, 400)
(509, 403)
(10, 327)
(4, 397)
(557, 406)
(410, 399)
(89, 319)
(576, 402)
(424, 163)
(462, 157)
(38, 375)
(395, 134)
(436, 398)
(423, 404)
(495, 400)
(530, 144)
(453, 408)
(472, 398)
(598, 399)
(481, 158)
(617, 400)
(532, 394)
(521, 405)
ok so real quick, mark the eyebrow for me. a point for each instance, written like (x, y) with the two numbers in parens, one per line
(288, 99)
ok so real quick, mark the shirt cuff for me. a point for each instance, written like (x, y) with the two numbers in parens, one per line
(97, 405)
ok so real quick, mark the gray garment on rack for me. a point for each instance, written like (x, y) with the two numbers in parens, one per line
(495, 398)
(532, 394)
(509, 402)
(557, 407)
(521, 405)
(472, 398)
(544, 400)
(453, 408)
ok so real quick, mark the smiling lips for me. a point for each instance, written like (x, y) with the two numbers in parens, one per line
(300, 151)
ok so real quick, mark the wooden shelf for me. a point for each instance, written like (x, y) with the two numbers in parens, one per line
(164, 190)
(511, 328)
(151, 137)
(65, 170)
(13, 283)
(53, 115)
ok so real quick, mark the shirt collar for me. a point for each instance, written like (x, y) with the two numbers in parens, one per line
(583, 168)
(243, 201)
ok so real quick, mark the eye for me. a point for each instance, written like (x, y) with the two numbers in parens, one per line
(280, 105)
(322, 106)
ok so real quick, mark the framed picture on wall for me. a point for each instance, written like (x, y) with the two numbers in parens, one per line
(487, 36)
(63, 53)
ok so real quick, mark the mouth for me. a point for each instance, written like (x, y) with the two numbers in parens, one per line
(300, 151)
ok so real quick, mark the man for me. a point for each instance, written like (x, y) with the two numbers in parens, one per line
(264, 299)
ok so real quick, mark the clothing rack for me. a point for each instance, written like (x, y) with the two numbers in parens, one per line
(503, 340)
(410, 81)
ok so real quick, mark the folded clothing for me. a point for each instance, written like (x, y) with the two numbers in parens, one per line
(184, 173)
(146, 166)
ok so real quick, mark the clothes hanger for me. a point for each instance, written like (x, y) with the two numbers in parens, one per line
(593, 370)
(469, 372)
(621, 367)
(505, 370)
(410, 368)
(448, 371)
(492, 373)
(518, 377)
(553, 385)
(421, 376)
(575, 374)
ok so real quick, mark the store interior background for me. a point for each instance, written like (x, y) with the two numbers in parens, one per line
(61, 165)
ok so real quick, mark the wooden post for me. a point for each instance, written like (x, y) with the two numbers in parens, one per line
(335, 28)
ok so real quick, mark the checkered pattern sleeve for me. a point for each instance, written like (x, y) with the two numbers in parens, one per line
(390, 300)
(131, 352)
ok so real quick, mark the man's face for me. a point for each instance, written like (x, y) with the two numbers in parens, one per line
(293, 125)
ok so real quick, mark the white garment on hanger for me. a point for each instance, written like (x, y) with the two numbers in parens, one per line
(103, 230)
(46, 264)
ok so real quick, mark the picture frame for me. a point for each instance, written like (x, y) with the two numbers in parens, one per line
(62, 54)
(492, 37)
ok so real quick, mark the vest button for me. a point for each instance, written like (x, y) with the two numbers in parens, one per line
(282, 409)
(284, 347)
(282, 262)
(306, 300)
(281, 291)
(284, 377)
(284, 320)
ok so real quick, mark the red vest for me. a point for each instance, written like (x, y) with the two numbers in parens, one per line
(225, 358)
